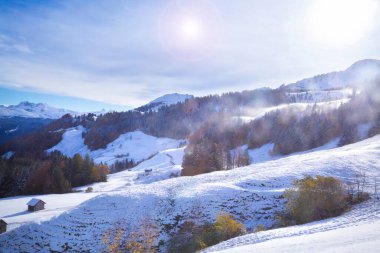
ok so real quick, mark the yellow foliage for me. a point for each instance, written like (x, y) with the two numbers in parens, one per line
(227, 227)
(316, 198)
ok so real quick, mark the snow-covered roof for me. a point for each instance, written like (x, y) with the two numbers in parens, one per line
(34, 202)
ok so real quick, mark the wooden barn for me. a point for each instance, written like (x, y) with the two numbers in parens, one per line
(3, 226)
(35, 205)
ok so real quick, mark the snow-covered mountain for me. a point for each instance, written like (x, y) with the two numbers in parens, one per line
(359, 73)
(165, 100)
(33, 110)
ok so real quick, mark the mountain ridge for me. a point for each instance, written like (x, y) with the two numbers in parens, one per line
(27, 109)
(362, 71)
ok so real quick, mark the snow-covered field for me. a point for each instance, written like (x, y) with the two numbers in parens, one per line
(135, 146)
(252, 194)
(164, 165)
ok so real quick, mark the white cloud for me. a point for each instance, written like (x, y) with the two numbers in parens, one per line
(112, 51)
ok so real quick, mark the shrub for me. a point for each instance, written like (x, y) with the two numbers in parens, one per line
(89, 189)
(315, 199)
(227, 227)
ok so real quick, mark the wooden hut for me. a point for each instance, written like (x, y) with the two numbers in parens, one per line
(35, 205)
(3, 226)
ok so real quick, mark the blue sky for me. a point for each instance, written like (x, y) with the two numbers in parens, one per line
(88, 55)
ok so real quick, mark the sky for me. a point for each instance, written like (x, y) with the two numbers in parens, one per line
(118, 54)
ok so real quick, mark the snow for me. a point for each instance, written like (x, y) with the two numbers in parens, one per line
(251, 193)
(33, 110)
(356, 231)
(264, 153)
(13, 210)
(135, 146)
(11, 130)
(261, 154)
(72, 142)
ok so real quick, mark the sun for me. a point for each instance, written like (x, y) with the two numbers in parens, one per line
(340, 22)
(190, 29)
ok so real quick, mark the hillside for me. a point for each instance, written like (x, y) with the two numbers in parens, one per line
(252, 194)
(236, 153)
(11, 127)
(356, 231)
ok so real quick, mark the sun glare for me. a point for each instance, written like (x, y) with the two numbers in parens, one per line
(341, 22)
(190, 29)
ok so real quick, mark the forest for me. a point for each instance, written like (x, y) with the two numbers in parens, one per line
(52, 173)
(290, 130)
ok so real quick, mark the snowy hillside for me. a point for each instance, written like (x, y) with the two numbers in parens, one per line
(356, 231)
(356, 75)
(252, 194)
(168, 99)
(164, 165)
(135, 146)
(33, 110)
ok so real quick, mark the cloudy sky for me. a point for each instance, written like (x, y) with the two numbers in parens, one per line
(86, 55)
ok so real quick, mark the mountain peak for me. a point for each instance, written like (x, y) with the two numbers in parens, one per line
(165, 100)
(172, 98)
(365, 63)
(360, 73)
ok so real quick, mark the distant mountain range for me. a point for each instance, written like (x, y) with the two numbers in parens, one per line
(33, 110)
(27, 117)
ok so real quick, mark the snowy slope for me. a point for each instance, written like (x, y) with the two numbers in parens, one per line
(358, 74)
(252, 194)
(32, 110)
(164, 165)
(356, 231)
(135, 146)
